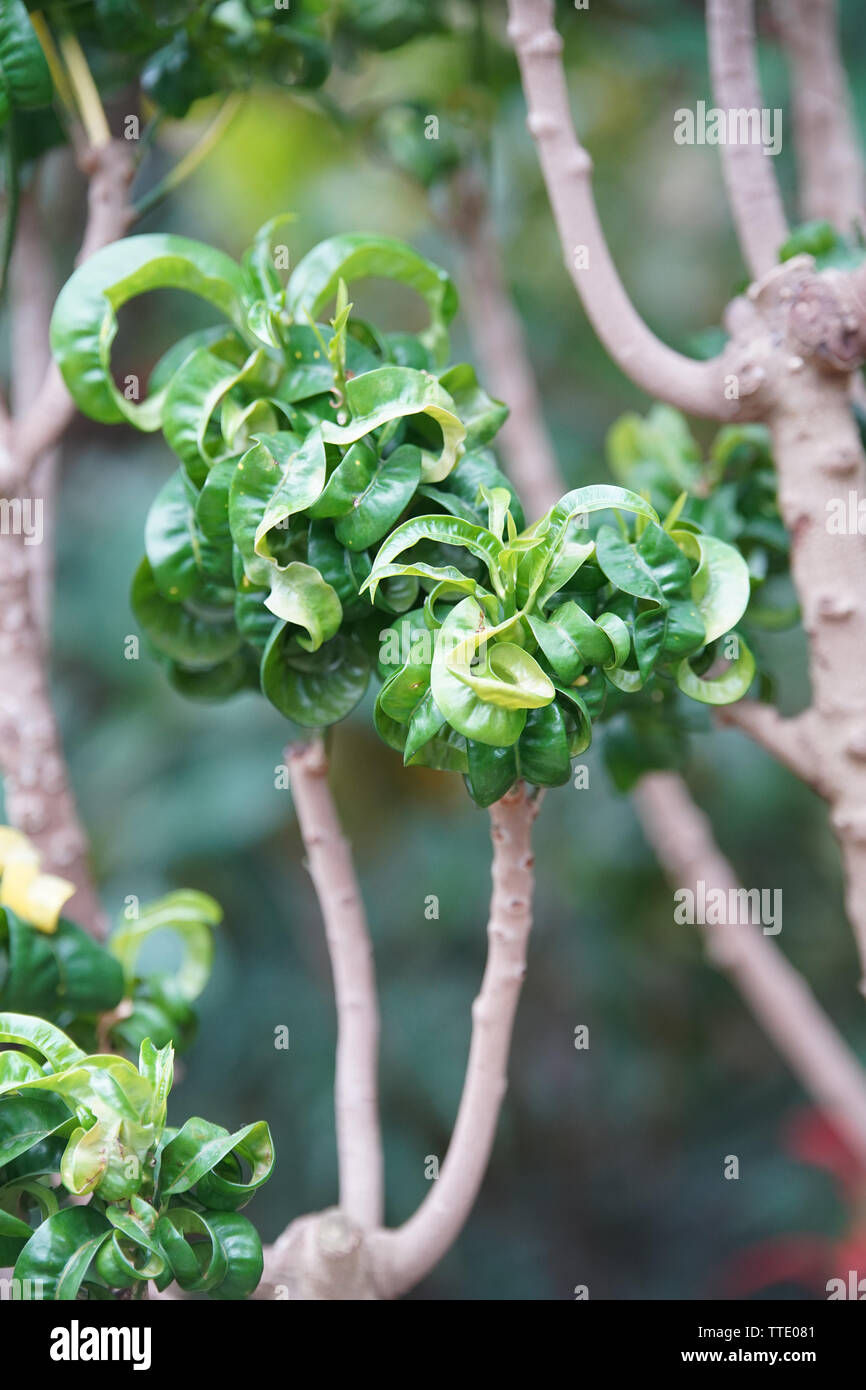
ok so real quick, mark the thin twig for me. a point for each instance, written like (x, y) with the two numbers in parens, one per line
(195, 156)
(750, 177)
(779, 997)
(829, 158)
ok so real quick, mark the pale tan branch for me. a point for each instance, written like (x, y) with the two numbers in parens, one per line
(110, 169)
(829, 158)
(402, 1257)
(696, 387)
(750, 177)
(779, 997)
(37, 793)
(502, 349)
(32, 297)
(789, 741)
(329, 860)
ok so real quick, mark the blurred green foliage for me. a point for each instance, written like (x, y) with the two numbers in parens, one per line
(608, 1165)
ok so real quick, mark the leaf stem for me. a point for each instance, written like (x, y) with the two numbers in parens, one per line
(192, 159)
(87, 99)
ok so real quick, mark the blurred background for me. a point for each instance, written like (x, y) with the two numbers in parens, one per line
(609, 1164)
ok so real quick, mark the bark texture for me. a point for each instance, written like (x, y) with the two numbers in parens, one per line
(329, 859)
(38, 795)
(330, 1255)
(404, 1256)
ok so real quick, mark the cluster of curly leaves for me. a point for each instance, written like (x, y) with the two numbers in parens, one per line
(731, 494)
(79, 1121)
(304, 447)
(163, 1203)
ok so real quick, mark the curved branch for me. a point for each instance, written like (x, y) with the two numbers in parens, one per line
(693, 386)
(359, 1143)
(829, 158)
(404, 1256)
(779, 997)
(750, 179)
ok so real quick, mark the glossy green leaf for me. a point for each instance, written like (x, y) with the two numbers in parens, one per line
(25, 81)
(198, 1264)
(652, 567)
(283, 473)
(478, 467)
(60, 1251)
(90, 980)
(491, 771)
(425, 723)
(194, 634)
(58, 1050)
(367, 494)
(301, 597)
(481, 415)
(724, 689)
(84, 323)
(195, 392)
(498, 725)
(296, 472)
(503, 674)
(446, 530)
(188, 914)
(314, 689)
(561, 553)
(351, 257)
(720, 584)
(240, 1243)
(16, 1066)
(571, 700)
(32, 985)
(570, 640)
(395, 393)
(204, 1156)
(27, 1120)
(183, 561)
(14, 1235)
(543, 756)
(339, 567)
